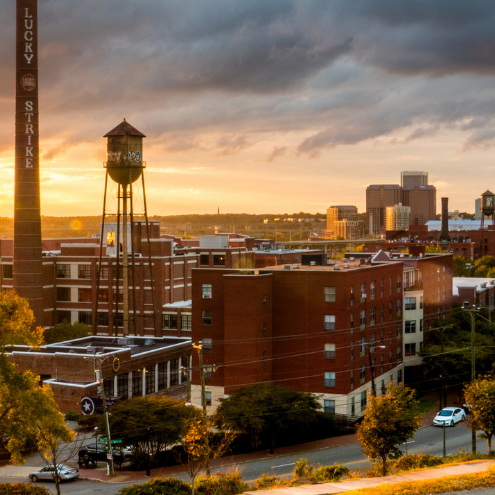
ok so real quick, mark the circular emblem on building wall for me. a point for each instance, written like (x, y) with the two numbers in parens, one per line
(28, 82)
(87, 406)
(116, 364)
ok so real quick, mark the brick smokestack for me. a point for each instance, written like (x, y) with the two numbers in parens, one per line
(28, 275)
(444, 236)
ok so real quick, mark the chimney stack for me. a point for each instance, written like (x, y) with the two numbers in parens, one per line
(444, 236)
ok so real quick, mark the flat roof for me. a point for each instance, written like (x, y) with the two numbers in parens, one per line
(478, 283)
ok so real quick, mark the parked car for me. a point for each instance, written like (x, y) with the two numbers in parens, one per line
(449, 416)
(65, 473)
(89, 454)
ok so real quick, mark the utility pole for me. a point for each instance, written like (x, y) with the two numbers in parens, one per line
(105, 411)
(473, 368)
(199, 347)
(372, 368)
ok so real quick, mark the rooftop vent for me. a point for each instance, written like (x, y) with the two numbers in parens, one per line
(337, 267)
(329, 262)
(346, 265)
(149, 343)
(351, 259)
(312, 263)
(296, 266)
(124, 341)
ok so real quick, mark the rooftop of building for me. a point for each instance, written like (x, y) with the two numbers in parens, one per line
(105, 345)
(477, 283)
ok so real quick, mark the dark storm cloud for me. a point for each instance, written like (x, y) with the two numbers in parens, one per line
(341, 71)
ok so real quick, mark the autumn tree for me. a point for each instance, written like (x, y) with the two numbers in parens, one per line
(197, 451)
(388, 422)
(480, 395)
(265, 411)
(16, 321)
(65, 331)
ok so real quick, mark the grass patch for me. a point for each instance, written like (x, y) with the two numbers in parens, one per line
(427, 403)
(440, 485)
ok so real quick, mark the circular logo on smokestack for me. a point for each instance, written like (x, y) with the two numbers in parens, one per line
(28, 82)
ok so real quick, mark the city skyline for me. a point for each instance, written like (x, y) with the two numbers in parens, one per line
(258, 107)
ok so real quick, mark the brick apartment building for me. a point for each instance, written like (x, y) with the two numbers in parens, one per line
(70, 269)
(312, 327)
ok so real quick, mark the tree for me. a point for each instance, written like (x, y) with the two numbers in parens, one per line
(388, 422)
(265, 411)
(480, 395)
(195, 448)
(16, 321)
(149, 424)
(66, 331)
(430, 248)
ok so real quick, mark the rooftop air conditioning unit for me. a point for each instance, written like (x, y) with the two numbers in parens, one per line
(351, 259)
(296, 266)
(329, 262)
(346, 265)
(206, 296)
(363, 296)
(286, 267)
(337, 267)
(312, 263)
(124, 341)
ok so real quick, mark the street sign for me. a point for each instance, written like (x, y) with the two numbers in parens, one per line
(111, 441)
(109, 457)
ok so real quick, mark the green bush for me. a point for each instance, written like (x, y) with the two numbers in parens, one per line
(158, 486)
(70, 416)
(302, 469)
(417, 461)
(221, 484)
(330, 473)
(22, 489)
(265, 482)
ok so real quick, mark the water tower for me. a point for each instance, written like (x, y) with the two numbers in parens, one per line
(487, 206)
(124, 166)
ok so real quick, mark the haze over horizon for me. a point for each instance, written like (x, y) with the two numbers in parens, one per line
(258, 106)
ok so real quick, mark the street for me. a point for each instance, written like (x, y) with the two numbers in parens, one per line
(428, 440)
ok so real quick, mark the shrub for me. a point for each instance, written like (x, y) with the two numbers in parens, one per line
(265, 482)
(158, 486)
(331, 473)
(417, 461)
(70, 416)
(221, 484)
(22, 489)
(302, 469)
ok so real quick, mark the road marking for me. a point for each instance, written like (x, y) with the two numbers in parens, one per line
(283, 465)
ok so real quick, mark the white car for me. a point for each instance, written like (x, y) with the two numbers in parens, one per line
(449, 416)
(65, 473)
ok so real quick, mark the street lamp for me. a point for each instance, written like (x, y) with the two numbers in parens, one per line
(96, 446)
(369, 345)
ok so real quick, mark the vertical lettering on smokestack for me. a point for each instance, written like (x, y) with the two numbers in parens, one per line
(28, 268)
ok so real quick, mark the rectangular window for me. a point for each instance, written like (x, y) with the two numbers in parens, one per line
(174, 372)
(373, 316)
(353, 406)
(329, 322)
(329, 351)
(329, 379)
(123, 386)
(150, 380)
(363, 319)
(399, 330)
(84, 295)
(104, 273)
(329, 294)
(186, 322)
(121, 296)
(204, 259)
(85, 317)
(219, 260)
(83, 271)
(373, 290)
(352, 295)
(410, 303)
(119, 319)
(108, 386)
(63, 270)
(264, 301)
(391, 311)
(362, 374)
(352, 379)
(382, 314)
(399, 354)
(382, 287)
(208, 372)
(162, 376)
(169, 322)
(410, 326)
(102, 319)
(421, 302)
(206, 318)
(362, 346)
(391, 334)
(8, 271)
(363, 400)
(208, 398)
(390, 285)
(399, 283)
(399, 307)
(399, 376)
(410, 349)
(103, 295)
(63, 293)
(352, 352)
(63, 316)
(329, 406)
(363, 292)
(352, 322)
(264, 329)
(421, 325)
(207, 345)
(137, 383)
(206, 291)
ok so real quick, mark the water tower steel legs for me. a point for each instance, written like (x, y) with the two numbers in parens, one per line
(117, 267)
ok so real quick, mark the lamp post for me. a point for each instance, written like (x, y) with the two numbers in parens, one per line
(96, 446)
(369, 345)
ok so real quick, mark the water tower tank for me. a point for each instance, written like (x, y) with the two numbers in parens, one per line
(124, 153)
(487, 203)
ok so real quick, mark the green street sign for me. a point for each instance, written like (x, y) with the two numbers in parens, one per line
(111, 441)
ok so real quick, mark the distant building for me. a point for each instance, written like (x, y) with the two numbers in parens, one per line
(378, 197)
(423, 203)
(398, 217)
(342, 221)
(477, 209)
(414, 179)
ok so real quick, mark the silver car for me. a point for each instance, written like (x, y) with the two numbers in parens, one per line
(449, 416)
(65, 473)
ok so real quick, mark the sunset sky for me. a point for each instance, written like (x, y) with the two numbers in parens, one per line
(258, 106)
